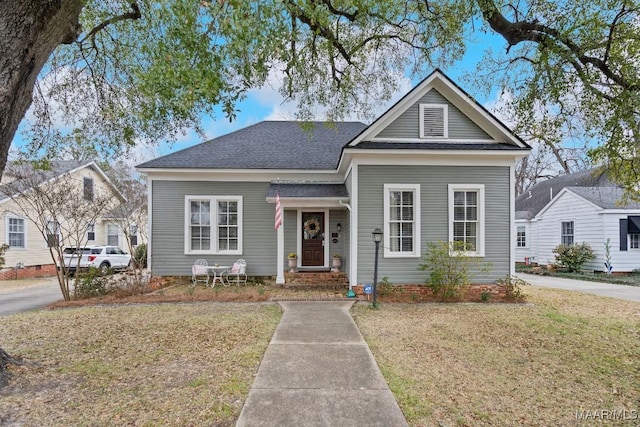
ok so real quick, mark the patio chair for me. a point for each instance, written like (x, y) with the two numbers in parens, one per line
(200, 272)
(238, 273)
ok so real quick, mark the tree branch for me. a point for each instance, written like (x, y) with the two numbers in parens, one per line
(134, 14)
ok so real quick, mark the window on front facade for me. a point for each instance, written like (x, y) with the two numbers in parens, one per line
(91, 232)
(634, 241)
(53, 234)
(401, 220)
(567, 233)
(466, 216)
(88, 189)
(521, 237)
(215, 225)
(16, 233)
(113, 235)
(133, 234)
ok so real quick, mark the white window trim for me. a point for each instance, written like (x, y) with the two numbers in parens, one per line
(526, 236)
(388, 253)
(213, 221)
(24, 221)
(106, 233)
(479, 252)
(91, 228)
(58, 232)
(574, 229)
(445, 118)
(629, 248)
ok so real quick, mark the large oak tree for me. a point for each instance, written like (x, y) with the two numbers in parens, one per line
(116, 73)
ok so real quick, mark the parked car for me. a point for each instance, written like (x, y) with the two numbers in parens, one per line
(103, 257)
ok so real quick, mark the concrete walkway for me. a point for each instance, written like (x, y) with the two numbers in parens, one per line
(318, 371)
(630, 293)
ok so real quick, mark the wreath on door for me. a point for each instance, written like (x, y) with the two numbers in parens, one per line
(312, 226)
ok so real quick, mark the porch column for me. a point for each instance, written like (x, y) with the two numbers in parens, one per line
(280, 253)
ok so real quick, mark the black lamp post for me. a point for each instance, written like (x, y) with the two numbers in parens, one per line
(377, 238)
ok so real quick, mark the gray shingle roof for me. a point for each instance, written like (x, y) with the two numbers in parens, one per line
(308, 190)
(605, 197)
(532, 201)
(24, 174)
(267, 145)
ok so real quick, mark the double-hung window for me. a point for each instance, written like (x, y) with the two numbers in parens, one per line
(521, 236)
(401, 220)
(53, 234)
(213, 225)
(634, 241)
(113, 235)
(16, 233)
(567, 232)
(466, 218)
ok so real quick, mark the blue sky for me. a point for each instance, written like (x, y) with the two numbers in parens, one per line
(267, 104)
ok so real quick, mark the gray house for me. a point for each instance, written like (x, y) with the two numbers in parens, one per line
(436, 166)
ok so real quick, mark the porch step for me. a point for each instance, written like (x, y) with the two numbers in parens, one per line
(316, 280)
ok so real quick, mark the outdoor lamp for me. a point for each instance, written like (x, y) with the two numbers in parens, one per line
(377, 238)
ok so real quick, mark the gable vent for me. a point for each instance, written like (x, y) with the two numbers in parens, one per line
(433, 121)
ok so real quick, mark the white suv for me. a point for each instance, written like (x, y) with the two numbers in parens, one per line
(102, 257)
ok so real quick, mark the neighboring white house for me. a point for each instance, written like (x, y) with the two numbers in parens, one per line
(28, 254)
(576, 208)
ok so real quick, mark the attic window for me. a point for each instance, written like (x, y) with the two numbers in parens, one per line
(433, 121)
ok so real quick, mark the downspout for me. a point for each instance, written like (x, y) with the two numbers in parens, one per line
(350, 294)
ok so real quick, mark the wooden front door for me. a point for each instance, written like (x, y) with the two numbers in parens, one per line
(312, 239)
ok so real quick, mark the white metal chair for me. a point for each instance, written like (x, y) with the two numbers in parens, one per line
(238, 273)
(200, 272)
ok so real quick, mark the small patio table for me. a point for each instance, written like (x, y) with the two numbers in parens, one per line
(218, 271)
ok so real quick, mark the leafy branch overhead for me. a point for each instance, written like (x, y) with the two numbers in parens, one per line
(119, 73)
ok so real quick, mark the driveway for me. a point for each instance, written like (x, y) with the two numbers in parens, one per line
(629, 293)
(29, 297)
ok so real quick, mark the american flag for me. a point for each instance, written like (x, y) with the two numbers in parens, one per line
(278, 211)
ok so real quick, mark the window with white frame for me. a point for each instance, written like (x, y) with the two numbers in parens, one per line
(113, 235)
(213, 224)
(16, 233)
(521, 236)
(91, 232)
(402, 220)
(434, 121)
(567, 232)
(466, 217)
(133, 234)
(53, 234)
(634, 241)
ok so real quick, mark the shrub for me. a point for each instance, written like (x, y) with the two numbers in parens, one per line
(573, 257)
(450, 269)
(140, 257)
(91, 284)
(384, 288)
(513, 288)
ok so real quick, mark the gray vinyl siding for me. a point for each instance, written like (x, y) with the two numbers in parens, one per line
(433, 182)
(168, 225)
(407, 125)
(335, 217)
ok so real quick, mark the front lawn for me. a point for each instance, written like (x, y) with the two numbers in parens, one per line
(536, 364)
(171, 364)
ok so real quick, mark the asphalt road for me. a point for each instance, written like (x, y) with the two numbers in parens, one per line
(29, 298)
(630, 293)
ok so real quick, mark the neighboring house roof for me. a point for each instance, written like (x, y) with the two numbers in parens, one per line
(267, 145)
(531, 202)
(36, 176)
(308, 190)
(604, 197)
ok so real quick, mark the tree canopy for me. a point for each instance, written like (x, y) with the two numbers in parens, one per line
(117, 73)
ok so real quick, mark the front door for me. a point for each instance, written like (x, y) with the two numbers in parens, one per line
(312, 239)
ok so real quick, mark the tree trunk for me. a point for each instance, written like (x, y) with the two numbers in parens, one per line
(29, 33)
(5, 360)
